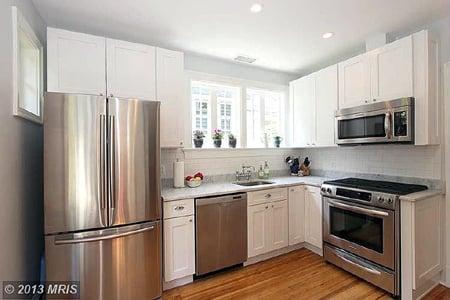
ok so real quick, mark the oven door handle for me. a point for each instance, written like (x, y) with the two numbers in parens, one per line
(367, 211)
(370, 270)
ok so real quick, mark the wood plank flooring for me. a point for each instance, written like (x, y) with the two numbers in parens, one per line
(300, 274)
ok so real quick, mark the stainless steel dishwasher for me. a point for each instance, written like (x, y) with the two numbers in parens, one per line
(220, 232)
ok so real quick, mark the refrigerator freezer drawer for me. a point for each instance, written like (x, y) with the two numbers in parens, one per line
(114, 263)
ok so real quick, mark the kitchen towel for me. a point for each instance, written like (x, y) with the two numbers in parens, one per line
(178, 174)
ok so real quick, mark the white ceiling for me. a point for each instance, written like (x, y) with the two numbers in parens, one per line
(286, 36)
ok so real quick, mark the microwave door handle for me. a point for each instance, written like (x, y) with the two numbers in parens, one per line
(370, 270)
(388, 125)
(359, 209)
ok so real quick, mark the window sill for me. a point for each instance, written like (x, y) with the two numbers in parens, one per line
(193, 153)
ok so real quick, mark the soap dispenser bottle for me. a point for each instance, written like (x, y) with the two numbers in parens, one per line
(261, 173)
(266, 170)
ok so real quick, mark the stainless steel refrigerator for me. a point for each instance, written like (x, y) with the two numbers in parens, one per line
(102, 195)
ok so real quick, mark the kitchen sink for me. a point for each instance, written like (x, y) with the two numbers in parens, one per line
(253, 183)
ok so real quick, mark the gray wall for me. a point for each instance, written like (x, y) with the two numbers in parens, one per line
(21, 184)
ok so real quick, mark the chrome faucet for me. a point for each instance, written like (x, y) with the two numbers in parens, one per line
(245, 173)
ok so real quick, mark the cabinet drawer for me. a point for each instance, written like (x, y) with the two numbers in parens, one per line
(265, 196)
(178, 208)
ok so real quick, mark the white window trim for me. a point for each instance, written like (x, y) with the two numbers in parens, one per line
(243, 84)
(20, 24)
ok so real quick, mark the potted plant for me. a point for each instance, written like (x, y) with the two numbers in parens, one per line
(217, 136)
(198, 138)
(232, 140)
(277, 141)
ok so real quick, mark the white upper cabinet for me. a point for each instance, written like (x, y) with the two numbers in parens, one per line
(303, 98)
(170, 91)
(354, 81)
(75, 62)
(326, 100)
(131, 70)
(428, 120)
(296, 214)
(392, 70)
(314, 101)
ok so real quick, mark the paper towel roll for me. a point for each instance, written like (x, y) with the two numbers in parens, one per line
(178, 174)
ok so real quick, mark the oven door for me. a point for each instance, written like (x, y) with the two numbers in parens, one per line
(362, 230)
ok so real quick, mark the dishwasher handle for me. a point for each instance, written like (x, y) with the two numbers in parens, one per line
(220, 199)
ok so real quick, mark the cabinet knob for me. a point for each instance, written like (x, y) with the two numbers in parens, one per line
(190, 220)
(374, 100)
(366, 101)
(180, 207)
(272, 205)
(267, 206)
(268, 195)
(101, 94)
(111, 95)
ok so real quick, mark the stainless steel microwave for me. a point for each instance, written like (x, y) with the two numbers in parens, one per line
(380, 122)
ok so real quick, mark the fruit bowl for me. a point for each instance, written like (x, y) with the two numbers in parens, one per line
(194, 181)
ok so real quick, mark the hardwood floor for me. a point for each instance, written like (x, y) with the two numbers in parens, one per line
(300, 274)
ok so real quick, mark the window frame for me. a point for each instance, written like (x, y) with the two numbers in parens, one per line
(21, 26)
(243, 85)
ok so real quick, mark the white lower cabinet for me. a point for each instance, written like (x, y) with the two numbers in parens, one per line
(258, 229)
(296, 214)
(179, 247)
(267, 223)
(313, 216)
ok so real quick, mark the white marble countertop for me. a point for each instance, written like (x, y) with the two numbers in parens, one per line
(421, 195)
(220, 188)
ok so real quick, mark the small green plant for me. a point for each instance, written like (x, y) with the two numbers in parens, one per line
(198, 134)
(231, 136)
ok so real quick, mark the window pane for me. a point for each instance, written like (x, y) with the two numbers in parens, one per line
(201, 114)
(264, 117)
(29, 57)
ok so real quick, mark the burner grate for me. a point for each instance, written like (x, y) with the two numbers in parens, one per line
(378, 185)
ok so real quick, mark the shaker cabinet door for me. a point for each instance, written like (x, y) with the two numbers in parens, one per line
(354, 81)
(170, 90)
(296, 215)
(313, 212)
(392, 71)
(179, 248)
(131, 70)
(258, 229)
(280, 224)
(75, 63)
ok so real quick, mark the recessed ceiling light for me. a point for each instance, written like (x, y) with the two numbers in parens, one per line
(327, 35)
(256, 8)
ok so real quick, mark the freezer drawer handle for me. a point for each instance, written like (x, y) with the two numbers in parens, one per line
(81, 238)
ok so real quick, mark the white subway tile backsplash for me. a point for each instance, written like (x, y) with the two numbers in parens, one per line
(393, 160)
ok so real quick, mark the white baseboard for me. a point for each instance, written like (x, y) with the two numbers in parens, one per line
(445, 280)
(178, 282)
(278, 252)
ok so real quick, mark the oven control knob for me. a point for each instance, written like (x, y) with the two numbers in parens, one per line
(329, 190)
(390, 201)
(323, 189)
(380, 199)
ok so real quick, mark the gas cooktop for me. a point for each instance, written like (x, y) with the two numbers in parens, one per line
(378, 186)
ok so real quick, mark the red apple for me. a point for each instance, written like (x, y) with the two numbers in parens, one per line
(199, 174)
(188, 178)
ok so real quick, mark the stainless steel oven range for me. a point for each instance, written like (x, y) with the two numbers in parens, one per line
(361, 228)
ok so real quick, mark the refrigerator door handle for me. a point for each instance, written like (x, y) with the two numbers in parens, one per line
(100, 235)
(112, 169)
(102, 168)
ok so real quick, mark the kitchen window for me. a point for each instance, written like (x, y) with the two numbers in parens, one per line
(252, 113)
(215, 106)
